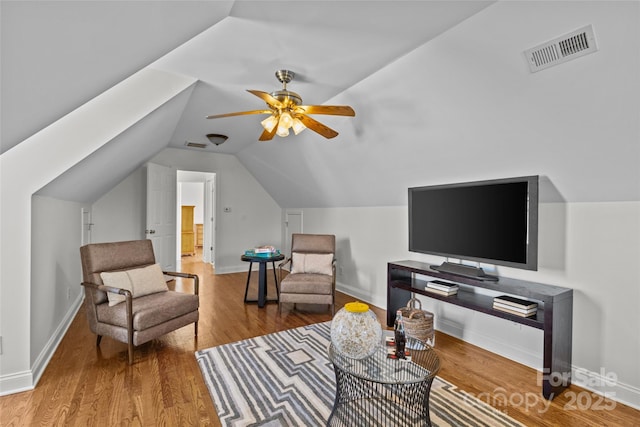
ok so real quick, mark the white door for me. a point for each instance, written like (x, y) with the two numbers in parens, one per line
(209, 227)
(292, 224)
(161, 214)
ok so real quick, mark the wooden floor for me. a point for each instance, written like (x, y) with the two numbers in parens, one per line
(88, 385)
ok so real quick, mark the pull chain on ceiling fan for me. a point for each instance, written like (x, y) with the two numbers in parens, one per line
(287, 113)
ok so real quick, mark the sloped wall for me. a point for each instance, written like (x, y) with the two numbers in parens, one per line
(474, 112)
(34, 163)
(465, 107)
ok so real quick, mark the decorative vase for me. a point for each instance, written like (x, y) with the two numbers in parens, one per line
(355, 331)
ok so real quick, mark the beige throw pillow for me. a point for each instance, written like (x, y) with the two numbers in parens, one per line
(140, 281)
(116, 279)
(312, 263)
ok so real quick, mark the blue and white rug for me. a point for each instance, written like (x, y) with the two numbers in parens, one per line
(286, 379)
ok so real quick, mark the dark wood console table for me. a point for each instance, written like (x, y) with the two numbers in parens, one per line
(554, 316)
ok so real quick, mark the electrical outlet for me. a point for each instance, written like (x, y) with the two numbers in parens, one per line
(68, 293)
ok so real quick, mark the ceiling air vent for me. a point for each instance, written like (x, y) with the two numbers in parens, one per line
(562, 49)
(195, 144)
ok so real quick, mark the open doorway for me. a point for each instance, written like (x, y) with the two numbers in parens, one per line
(195, 215)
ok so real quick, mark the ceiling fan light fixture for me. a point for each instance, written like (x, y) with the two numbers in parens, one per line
(282, 131)
(284, 124)
(269, 123)
(297, 126)
(285, 120)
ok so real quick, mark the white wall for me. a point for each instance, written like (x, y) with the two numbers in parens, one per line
(121, 213)
(56, 293)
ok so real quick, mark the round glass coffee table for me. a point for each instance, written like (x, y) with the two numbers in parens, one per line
(382, 391)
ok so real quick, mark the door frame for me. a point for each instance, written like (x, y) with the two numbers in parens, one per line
(210, 219)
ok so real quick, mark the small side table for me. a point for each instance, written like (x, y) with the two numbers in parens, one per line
(262, 277)
(381, 391)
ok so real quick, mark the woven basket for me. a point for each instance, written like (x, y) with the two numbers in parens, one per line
(418, 323)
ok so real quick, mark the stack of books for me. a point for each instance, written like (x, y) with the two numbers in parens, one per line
(262, 251)
(517, 306)
(442, 288)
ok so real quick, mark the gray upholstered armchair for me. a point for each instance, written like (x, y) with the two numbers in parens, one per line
(312, 274)
(126, 294)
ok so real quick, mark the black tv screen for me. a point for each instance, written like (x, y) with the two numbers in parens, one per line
(493, 222)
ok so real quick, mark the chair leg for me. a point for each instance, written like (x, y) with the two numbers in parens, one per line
(98, 340)
(130, 349)
(196, 329)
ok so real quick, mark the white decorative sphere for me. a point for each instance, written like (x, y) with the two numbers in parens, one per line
(355, 331)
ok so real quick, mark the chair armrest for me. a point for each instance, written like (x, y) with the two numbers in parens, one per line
(196, 279)
(103, 288)
(282, 264)
(333, 274)
(285, 262)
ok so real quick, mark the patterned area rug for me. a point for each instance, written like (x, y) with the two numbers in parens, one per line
(286, 379)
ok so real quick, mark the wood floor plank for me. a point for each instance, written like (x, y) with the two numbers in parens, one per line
(85, 385)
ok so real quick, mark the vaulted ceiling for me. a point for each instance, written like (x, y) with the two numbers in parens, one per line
(410, 69)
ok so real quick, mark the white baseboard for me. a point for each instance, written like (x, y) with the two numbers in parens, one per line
(605, 384)
(492, 344)
(49, 349)
(360, 296)
(230, 269)
(27, 380)
(601, 383)
(16, 382)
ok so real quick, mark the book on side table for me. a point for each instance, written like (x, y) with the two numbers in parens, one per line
(517, 306)
(442, 288)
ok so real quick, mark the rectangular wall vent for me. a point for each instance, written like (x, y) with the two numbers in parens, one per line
(562, 49)
(195, 144)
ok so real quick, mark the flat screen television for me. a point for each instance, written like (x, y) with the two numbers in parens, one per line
(493, 222)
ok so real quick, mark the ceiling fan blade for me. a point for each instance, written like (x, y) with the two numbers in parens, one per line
(266, 97)
(334, 110)
(317, 127)
(240, 113)
(268, 136)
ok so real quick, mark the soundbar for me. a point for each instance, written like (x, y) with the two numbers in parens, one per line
(465, 271)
